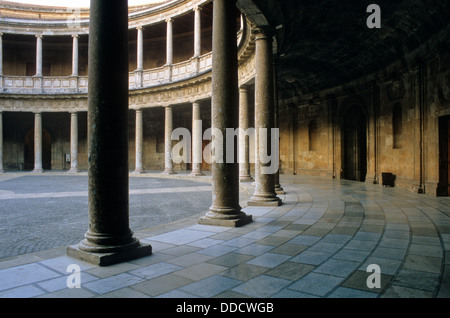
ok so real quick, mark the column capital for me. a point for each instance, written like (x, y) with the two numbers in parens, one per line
(39, 36)
(1, 34)
(197, 8)
(140, 27)
(169, 20)
(243, 89)
(263, 32)
(75, 36)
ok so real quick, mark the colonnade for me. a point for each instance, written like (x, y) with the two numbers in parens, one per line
(140, 46)
(109, 239)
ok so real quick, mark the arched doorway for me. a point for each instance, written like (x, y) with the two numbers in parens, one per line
(46, 150)
(354, 147)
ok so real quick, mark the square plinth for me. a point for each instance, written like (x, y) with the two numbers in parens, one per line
(227, 223)
(107, 259)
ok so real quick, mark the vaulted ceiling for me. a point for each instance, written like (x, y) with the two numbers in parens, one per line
(326, 43)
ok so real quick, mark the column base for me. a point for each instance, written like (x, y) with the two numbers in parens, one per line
(260, 201)
(139, 171)
(196, 174)
(168, 172)
(246, 179)
(238, 222)
(37, 171)
(279, 190)
(73, 170)
(107, 259)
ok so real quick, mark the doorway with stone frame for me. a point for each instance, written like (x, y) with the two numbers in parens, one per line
(354, 143)
(444, 156)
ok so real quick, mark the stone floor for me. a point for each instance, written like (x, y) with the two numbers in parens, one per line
(319, 243)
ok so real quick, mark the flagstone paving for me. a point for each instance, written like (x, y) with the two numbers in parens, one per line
(319, 243)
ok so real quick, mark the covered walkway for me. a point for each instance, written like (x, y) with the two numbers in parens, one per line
(319, 243)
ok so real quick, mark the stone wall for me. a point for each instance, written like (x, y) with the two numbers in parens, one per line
(400, 114)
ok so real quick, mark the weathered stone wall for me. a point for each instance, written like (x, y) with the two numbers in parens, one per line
(401, 114)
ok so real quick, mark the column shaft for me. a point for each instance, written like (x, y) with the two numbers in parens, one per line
(169, 42)
(197, 32)
(244, 139)
(37, 143)
(140, 48)
(225, 209)
(109, 239)
(1, 53)
(197, 133)
(73, 142)
(139, 142)
(264, 118)
(75, 55)
(168, 128)
(39, 55)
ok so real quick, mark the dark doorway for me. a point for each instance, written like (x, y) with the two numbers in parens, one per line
(354, 148)
(444, 158)
(46, 150)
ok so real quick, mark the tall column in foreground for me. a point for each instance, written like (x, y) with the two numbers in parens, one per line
(139, 168)
(225, 209)
(244, 148)
(168, 128)
(265, 194)
(73, 142)
(37, 143)
(197, 152)
(109, 239)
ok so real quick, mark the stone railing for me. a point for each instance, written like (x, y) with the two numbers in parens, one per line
(79, 84)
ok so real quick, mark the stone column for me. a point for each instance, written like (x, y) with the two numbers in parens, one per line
(168, 128)
(169, 42)
(225, 209)
(1, 54)
(1, 143)
(278, 188)
(75, 55)
(109, 239)
(140, 48)
(197, 32)
(73, 142)
(197, 135)
(39, 55)
(139, 142)
(38, 143)
(265, 194)
(244, 147)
